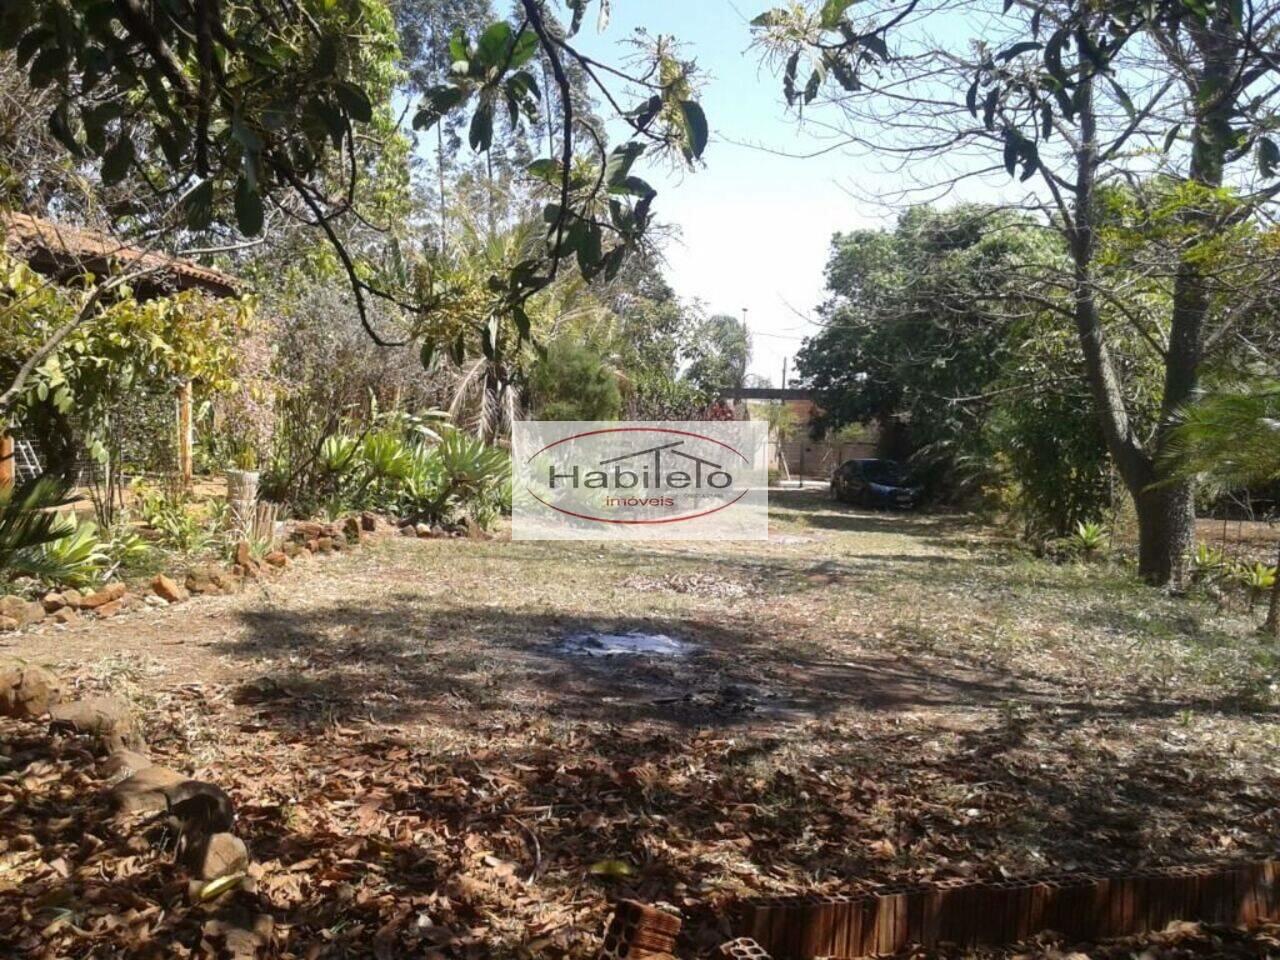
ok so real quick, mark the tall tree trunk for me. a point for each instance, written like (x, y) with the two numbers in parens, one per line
(1166, 531)
(1165, 514)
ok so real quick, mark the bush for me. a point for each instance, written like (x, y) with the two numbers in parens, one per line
(572, 382)
(76, 558)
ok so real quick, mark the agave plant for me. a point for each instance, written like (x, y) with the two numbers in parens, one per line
(385, 456)
(27, 517)
(76, 558)
(337, 453)
(1089, 537)
(1257, 578)
(1207, 563)
(459, 471)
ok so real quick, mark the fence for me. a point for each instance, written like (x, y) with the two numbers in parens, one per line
(816, 459)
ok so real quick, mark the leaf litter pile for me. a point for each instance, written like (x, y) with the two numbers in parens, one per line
(418, 773)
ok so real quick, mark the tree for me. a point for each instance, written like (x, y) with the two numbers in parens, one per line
(571, 382)
(1073, 97)
(719, 354)
(234, 108)
(927, 335)
(1230, 437)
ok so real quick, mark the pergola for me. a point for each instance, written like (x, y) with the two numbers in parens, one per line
(65, 253)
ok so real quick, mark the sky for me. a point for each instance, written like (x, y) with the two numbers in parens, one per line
(754, 227)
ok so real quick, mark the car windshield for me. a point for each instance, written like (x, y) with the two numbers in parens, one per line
(883, 471)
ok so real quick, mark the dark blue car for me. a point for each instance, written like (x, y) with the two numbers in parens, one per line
(875, 483)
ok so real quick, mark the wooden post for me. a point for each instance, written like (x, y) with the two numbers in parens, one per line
(7, 464)
(185, 439)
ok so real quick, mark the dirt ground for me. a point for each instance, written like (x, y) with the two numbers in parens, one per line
(420, 770)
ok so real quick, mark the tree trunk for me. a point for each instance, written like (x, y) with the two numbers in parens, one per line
(1272, 626)
(1166, 531)
(1166, 514)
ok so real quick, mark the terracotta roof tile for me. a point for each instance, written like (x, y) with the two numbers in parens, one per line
(33, 236)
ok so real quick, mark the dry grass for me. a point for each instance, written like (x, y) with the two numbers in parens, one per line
(874, 697)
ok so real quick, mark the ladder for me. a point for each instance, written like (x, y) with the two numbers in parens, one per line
(26, 465)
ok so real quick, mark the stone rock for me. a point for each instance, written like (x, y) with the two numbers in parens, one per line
(53, 601)
(8, 624)
(305, 530)
(226, 580)
(73, 597)
(244, 554)
(203, 579)
(237, 942)
(203, 807)
(409, 530)
(110, 609)
(27, 690)
(368, 522)
(324, 545)
(64, 616)
(351, 529)
(219, 856)
(108, 594)
(124, 763)
(106, 719)
(277, 558)
(168, 589)
(423, 529)
(291, 549)
(146, 790)
(24, 611)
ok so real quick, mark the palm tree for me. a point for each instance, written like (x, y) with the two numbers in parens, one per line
(1230, 438)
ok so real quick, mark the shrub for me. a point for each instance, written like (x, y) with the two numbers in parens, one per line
(572, 382)
(76, 558)
(1088, 538)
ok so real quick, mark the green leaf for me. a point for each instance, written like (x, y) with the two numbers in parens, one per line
(815, 83)
(789, 78)
(621, 160)
(116, 161)
(427, 355)
(526, 46)
(770, 18)
(354, 100)
(60, 127)
(590, 251)
(492, 47)
(480, 134)
(215, 888)
(545, 169)
(198, 204)
(249, 212)
(458, 46)
(832, 11)
(437, 102)
(489, 338)
(327, 59)
(695, 124)
(612, 868)
(1268, 156)
(632, 186)
(1017, 50)
(522, 321)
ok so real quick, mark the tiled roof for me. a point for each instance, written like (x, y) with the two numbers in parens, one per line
(64, 246)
